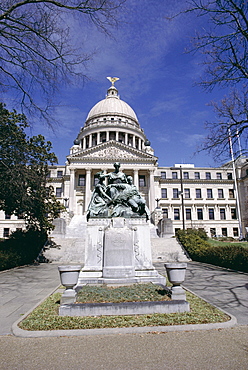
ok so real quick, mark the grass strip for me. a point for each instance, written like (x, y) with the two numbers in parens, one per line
(45, 317)
(130, 293)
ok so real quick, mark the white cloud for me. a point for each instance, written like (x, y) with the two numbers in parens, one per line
(192, 140)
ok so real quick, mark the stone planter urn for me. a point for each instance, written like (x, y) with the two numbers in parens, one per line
(176, 276)
(69, 277)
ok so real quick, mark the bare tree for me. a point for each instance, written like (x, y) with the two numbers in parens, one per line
(232, 115)
(225, 48)
(36, 52)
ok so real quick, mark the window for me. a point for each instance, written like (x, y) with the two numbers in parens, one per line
(209, 193)
(58, 192)
(197, 175)
(96, 180)
(188, 213)
(220, 193)
(218, 176)
(235, 231)
(81, 180)
(185, 175)
(49, 174)
(199, 214)
(174, 175)
(208, 176)
(198, 193)
(224, 231)
(7, 217)
(211, 213)
(163, 175)
(229, 176)
(176, 214)
(233, 214)
(212, 231)
(163, 193)
(165, 212)
(142, 181)
(231, 193)
(59, 174)
(187, 193)
(222, 213)
(6, 232)
(175, 193)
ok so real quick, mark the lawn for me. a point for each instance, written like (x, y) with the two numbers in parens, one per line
(45, 316)
(220, 243)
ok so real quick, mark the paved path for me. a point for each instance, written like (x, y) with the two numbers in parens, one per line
(22, 288)
(226, 289)
(222, 349)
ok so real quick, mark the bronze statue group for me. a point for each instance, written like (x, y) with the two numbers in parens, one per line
(119, 198)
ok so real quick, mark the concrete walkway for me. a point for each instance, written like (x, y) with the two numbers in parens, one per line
(227, 289)
(24, 287)
(224, 288)
(224, 349)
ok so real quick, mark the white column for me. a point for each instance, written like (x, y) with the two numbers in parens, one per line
(126, 138)
(136, 178)
(98, 138)
(72, 190)
(87, 188)
(107, 136)
(117, 136)
(151, 191)
(133, 141)
(90, 140)
(139, 144)
(84, 142)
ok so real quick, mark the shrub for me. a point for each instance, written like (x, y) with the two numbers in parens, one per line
(21, 248)
(230, 256)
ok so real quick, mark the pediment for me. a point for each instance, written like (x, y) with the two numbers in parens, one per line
(112, 151)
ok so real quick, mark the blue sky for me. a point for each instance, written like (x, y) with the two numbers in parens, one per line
(157, 79)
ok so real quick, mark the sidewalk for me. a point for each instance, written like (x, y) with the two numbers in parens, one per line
(226, 348)
(224, 288)
(24, 287)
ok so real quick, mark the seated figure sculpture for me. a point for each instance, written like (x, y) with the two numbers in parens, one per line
(120, 198)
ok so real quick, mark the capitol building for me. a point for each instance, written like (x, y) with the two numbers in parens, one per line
(185, 195)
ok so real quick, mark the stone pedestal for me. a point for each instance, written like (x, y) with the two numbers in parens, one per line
(165, 228)
(118, 251)
(118, 260)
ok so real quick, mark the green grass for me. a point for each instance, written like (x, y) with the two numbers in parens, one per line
(218, 243)
(131, 293)
(45, 317)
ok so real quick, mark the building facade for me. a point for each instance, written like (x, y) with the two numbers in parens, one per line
(191, 197)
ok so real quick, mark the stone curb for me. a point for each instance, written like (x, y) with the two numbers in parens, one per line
(18, 332)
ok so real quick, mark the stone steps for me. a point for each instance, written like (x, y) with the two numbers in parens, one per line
(168, 250)
(70, 247)
(71, 250)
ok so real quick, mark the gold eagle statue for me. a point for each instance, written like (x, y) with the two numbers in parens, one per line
(113, 79)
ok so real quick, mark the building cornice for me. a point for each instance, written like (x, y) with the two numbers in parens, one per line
(110, 152)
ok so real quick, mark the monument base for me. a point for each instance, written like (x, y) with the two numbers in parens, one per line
(118, 251)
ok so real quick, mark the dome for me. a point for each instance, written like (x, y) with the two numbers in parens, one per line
(112, 105)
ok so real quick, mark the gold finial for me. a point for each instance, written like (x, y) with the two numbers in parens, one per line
(113, 79)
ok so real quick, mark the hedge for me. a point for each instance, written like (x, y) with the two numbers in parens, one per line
(21, 248)
(230, 256)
